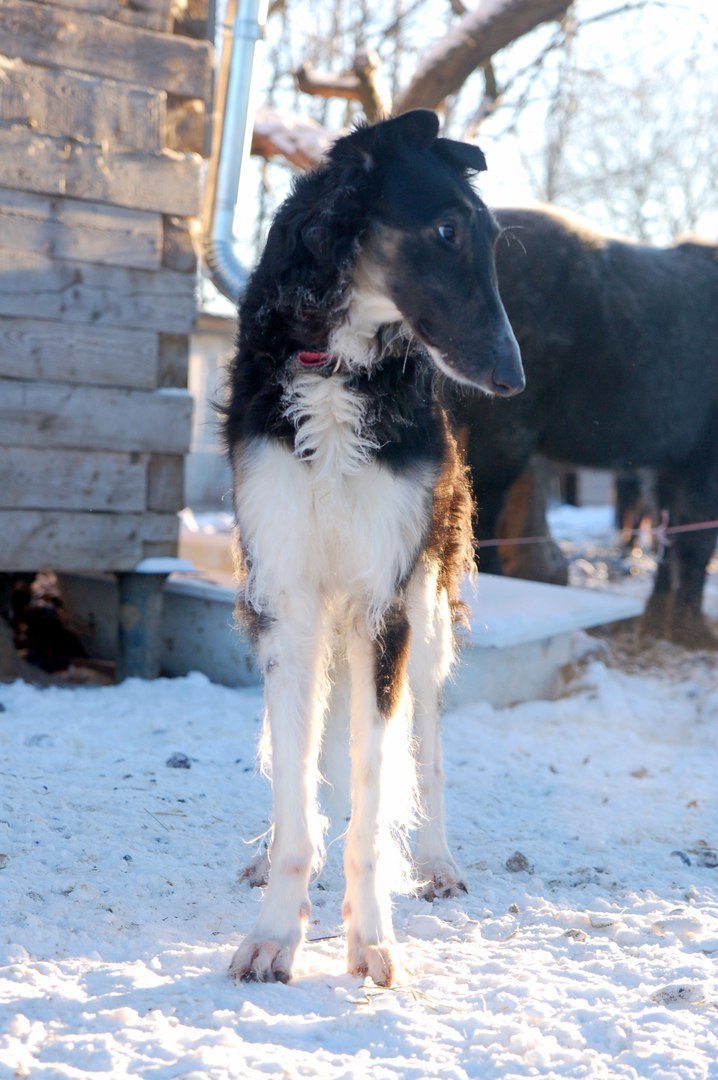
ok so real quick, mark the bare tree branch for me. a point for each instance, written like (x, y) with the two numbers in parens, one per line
(488, 102)
(361, 84)
(630, 7)
(324, 84)
(300, 140)
(470, 43)
(396, 24)
(366, 69)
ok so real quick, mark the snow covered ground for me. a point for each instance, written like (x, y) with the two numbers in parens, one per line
(587, 946)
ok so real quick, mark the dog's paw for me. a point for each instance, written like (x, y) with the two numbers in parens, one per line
(439, 881)
(378, 961)
(262, 961)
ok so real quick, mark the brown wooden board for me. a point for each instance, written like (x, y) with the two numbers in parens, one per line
(186, 125)
(54, 351)
(173, 360)
(67, 540)
(57, 37)
(195, 20)
(56, 416)
(153, 14)
(33, 479)
(182, 244)
(33, 285)
(71, 229)
(165, 482)
(168, 182)
(82, 106)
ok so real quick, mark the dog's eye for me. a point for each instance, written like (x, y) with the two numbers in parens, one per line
(448, 233)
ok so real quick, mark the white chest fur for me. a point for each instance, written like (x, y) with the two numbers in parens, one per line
(331, 423)
(329, 516)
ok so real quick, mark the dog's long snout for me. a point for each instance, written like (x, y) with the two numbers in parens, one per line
(507, 378)
(504, 389)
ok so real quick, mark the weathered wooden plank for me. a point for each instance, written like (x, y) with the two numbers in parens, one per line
(55, 415)
(77, 541)
(70, 229)
(33, 479)
(173, 360)
(72, 353)
(168, 182)
(194, 20)
(182, 243)
(32, 284)
(165, 483)
(56, 37)
(186, 123)
(153, 14)
(81, 106)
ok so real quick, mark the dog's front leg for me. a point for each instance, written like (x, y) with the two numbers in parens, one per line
(292, 655)
(432, 655)
(379, 694)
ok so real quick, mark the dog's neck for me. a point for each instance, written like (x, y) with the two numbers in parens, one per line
(356, 342)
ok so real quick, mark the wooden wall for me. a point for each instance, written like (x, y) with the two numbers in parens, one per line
(102, 108)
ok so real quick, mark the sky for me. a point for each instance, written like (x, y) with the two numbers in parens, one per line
(621, 48)
(633, 42)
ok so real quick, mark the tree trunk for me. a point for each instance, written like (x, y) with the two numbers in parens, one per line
(470, 43)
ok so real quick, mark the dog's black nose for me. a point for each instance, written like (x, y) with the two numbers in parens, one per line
(507, 385)
(507, 377)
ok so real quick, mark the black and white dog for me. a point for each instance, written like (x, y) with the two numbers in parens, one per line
(352, 503)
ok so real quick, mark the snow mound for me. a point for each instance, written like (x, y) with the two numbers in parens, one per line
(586, 946)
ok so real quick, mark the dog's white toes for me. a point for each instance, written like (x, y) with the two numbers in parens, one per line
(440, 881)
(379, 962)
(262, 961)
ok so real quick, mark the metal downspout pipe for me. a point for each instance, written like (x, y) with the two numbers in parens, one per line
(224, 268)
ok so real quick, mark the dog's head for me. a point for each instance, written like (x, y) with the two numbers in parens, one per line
(391, 221)
(432, 240)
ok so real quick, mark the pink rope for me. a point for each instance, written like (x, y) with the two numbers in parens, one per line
(662, 532)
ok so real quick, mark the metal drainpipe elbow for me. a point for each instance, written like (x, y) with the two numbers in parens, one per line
(225, 269)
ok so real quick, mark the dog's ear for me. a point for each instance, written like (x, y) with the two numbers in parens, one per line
(316, 235)
(418, 128)
(461, 155)
(370, 142)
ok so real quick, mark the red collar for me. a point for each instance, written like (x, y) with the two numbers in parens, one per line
(311, 359)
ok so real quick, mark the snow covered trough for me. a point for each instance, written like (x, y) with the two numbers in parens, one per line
(520, 638)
